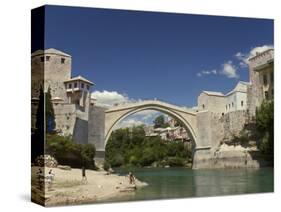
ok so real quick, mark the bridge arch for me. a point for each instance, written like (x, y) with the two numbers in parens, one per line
(186, 118)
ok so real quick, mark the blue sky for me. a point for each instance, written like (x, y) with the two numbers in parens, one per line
(142, 55)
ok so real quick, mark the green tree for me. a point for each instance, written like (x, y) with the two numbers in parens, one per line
(159, 121)
(265, 126)
(37, 137)
(49, 111)
(67, 152)
(87, 155)
(130, 147)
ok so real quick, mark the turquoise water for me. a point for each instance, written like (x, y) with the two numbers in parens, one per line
(165, 183)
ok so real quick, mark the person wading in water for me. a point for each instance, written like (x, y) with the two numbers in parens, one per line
(131, 178)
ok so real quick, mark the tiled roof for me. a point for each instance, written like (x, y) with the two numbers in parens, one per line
(213, 93)
(80, 78)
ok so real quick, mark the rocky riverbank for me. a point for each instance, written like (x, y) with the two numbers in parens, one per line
(68, 188)
(230, 156)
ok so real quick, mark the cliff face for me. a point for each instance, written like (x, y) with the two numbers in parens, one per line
(229, 156)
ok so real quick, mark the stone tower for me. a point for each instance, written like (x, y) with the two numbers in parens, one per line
(261, 68)
(56, 66)
(51, 68)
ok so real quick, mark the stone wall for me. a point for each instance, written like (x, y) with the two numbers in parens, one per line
(80, 131)
(65, 117)
(233, 123)
(213, 103)
(97, 127)
(213, 130)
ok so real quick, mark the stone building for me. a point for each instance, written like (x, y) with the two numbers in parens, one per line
(211, 101)
(237, 98)
(261, 73)
(220, 103)
(51, 68)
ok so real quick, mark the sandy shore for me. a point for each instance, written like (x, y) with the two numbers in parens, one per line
(68, 188)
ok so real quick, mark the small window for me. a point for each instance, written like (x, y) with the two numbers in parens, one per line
(265, 79)
(75, 85)
(232, 104)
(69, 85)
(88, 87)
(42, 59)
(266, 94)
(203, 106)
(229, 106)
(242, 103)
(62, 60)
(82, 85)
(47, 58)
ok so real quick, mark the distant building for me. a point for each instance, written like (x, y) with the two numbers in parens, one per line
(170, 133)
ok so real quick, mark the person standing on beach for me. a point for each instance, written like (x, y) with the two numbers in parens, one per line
(84, 178)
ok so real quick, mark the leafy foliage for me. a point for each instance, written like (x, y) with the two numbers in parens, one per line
(49, 112)
(67, 152)
(265, 125)
(243, 139)
(37, 137)
(130, 147)
(160, 122)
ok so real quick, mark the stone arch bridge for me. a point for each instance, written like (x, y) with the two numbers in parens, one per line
(102, 122)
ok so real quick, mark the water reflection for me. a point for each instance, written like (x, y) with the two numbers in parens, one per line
(181, 182)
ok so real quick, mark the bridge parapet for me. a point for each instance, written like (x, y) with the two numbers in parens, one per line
(130, 105)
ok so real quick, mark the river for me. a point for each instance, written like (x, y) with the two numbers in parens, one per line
(165, 183)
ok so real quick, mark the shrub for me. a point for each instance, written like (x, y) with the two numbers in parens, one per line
(148, 157)
(265, 125)
(67, 152)
(87, 155)
(106, 165)
(175, 161)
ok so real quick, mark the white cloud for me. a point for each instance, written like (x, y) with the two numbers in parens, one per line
(109, 98)
(130, 122)
(145, 117)
(244, 57)
(147, 114)
(206, 72)
(229, 70)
